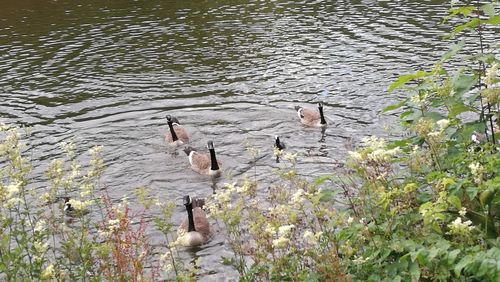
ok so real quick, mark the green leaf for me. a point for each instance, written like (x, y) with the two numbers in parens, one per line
(458, 108)
(463, 83)
(320, 180)
(495, 20)
(455, 201)
(435, 116)
(326, 195)
(462, 263)
(465, 11)
(488, 9)
(453, 255)
(433, 253)
(403, 115)
(402, 80)
(487, 196)
(394, 106)
(468, 25)
(453, 50)
(415, 271)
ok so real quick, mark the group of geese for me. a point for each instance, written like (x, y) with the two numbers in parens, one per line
(195, 229)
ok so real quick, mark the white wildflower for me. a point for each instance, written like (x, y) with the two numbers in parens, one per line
(434, 134)
(13, 189)
(79, 205)
(477, 171)
(4, 127)
(285, 229)
(290, 157)
(374, 142)
(281, 242)
(419, 99)
(40, 226)
(463, 211)
(113, 224)
(95, 150)
(457, 227)
(12, 202)
(270, 229)
(297, 197)
(356, 156)
(48, 273)
(492, 74)
(350, 220)
(309, 236)
(443, 124)
(41, 247)
(360, 260)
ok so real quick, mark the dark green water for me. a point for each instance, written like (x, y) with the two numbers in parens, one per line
(107, 72)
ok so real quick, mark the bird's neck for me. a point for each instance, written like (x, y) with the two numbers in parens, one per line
(323, 121)
(189, 209)
(172, 131)
(213, 160)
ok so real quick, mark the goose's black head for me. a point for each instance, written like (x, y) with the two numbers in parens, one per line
(187, 200)
(278, 143)
(171, 119)
(210, 145)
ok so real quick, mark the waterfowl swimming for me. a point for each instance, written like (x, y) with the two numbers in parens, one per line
(177, 135)
(74, 208)
(310, 117)
(279, 145)
(204, 163)
(68, 209)
(195, 229)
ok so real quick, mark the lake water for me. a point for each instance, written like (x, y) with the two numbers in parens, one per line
(108, 72)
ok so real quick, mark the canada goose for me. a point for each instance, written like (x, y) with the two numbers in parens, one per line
(204, 163)
(311, 117)
(177, 135)
(68, 209)
(195, 229)
(74, 208)
(278, 144)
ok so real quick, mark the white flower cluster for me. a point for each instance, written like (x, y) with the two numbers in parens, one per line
(477, 171)
(298, 197)
(48, 273)
(491, 74)
(284, 233)
(419, 99)
(457, 227)
(312, 238)
(375, 150)
(442, 124)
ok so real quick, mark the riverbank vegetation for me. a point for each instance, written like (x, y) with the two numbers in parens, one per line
(420, 207)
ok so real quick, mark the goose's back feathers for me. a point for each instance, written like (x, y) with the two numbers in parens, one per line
(199, 162)
(309, 117)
